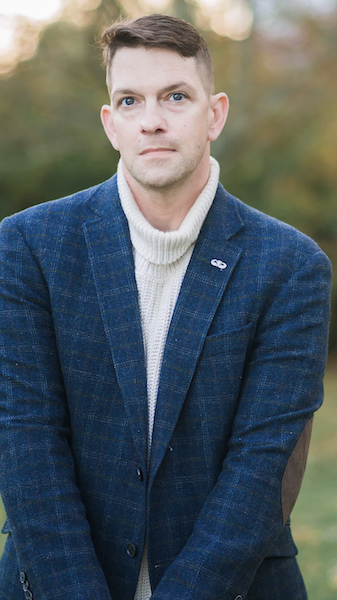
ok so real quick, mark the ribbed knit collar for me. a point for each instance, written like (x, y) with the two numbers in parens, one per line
(165, 247)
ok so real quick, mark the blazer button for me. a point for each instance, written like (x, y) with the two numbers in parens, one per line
(131, 549)
(22, 577)
(140, 474)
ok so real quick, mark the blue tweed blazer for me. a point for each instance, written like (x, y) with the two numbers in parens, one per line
(240, 380)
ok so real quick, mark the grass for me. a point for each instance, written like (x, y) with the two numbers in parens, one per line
(314, 519)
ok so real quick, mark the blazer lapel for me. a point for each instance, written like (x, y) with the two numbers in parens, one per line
(111, 258)
(201, 292)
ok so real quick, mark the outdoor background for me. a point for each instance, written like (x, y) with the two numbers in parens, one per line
(277, 61)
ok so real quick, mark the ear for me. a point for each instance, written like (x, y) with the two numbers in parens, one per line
(219, 106)
(108, 124)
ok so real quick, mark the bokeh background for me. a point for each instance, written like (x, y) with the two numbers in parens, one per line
(277, 61)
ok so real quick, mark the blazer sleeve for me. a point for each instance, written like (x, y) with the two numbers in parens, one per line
(261, 474)
(37, 478)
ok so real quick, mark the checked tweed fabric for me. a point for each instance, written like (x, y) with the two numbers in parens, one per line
(241, 378)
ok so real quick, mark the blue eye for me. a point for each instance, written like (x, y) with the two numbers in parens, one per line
(178, 96)
(128, 101)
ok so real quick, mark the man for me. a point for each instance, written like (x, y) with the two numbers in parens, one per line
(162, 347)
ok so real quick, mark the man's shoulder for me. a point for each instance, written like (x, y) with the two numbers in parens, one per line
(264, 232)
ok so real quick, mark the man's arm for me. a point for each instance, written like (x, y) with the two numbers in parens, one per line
(45, 512)
(281, 388)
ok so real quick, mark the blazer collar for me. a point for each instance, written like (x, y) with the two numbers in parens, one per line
(223, 218)
(201, 292)
(110, 254)
(111, 257)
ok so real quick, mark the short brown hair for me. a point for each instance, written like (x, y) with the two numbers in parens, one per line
(158, 31)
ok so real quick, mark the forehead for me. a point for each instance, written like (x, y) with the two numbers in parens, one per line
(152, 68)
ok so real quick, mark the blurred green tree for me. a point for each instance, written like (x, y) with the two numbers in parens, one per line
(52, 142)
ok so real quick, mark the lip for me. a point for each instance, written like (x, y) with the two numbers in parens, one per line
(156, 150)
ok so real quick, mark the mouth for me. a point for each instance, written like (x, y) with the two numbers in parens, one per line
(156, 151)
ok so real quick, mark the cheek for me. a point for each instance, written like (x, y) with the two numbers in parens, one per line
(193, 127)
(121, 138)
(196, 132)
(126, 134)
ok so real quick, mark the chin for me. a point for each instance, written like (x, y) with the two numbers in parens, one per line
(161, 182)
(158, 178)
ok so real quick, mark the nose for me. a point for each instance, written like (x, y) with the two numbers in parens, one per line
(153, 120)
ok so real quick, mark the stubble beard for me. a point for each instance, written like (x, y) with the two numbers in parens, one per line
(164, 177)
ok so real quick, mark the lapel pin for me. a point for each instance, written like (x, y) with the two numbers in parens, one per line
(215, 262)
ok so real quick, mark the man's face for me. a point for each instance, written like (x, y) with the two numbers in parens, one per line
(160, 118)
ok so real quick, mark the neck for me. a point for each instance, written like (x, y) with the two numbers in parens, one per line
(165, 209)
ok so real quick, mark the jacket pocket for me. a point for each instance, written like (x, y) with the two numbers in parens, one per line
(219, 372)
(227, 342)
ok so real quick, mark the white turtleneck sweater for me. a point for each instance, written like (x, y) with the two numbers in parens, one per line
(161, 260)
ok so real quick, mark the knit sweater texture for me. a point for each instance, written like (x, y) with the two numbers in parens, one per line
(161, 259)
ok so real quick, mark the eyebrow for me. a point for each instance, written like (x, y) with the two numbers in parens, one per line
(169, 88)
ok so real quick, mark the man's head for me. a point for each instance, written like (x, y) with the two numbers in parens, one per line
(163, 112)
(158, 31)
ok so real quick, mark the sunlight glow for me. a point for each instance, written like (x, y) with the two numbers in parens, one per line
(230, 18)
(22, 21)
(20, 25)
(155, 5)
(40, 10)
(6, 36)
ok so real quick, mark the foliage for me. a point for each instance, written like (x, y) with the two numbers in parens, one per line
(278, 151)
(52, 143)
